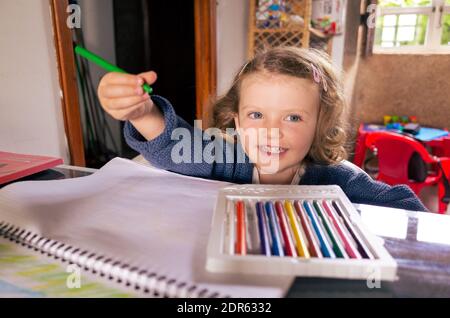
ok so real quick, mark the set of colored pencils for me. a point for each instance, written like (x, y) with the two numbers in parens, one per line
(292, 228)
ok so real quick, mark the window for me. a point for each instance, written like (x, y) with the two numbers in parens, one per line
(412, 26)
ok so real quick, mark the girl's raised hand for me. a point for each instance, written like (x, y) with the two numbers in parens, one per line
(122, 96)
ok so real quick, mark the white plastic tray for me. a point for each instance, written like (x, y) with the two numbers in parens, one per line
(381, 267)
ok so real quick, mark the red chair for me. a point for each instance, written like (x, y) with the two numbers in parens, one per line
(443, 193)
(440, 147)
(394, 152)
(360, 148)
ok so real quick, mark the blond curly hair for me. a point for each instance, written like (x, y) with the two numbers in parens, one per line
(328, 146)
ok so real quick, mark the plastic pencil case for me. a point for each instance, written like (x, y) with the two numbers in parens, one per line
(294, 230)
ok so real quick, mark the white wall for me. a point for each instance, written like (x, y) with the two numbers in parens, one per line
(337, 51)
(232, 32)
(30, 107)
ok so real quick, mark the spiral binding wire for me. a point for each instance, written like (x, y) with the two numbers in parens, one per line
(149, 283)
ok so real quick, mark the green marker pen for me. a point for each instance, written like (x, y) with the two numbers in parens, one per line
(105, 65)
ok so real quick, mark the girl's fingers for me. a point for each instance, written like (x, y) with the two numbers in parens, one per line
(149, 77)
(114, 78)
(120, 91)
(126, 102)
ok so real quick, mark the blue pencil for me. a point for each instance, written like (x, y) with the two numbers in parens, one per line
(324, 246)
(277, 248)
(263, 232)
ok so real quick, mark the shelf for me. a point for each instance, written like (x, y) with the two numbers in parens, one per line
(291, 34)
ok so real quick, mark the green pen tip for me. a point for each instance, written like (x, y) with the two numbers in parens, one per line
(147, 88)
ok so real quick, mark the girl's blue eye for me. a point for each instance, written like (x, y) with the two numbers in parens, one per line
(294, 118)
(255, 115)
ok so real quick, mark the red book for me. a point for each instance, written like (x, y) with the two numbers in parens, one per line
(14, 166)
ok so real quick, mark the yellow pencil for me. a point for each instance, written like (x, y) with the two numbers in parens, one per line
(302, 249)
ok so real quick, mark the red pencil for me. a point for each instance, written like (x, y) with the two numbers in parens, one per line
(289, 245)
(241, 242)
(313, 245)
(350, 249)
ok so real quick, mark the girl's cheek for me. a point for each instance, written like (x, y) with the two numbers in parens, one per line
(246, 122)
(249, 127)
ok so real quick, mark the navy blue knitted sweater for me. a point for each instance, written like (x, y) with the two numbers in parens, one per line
(356, 184)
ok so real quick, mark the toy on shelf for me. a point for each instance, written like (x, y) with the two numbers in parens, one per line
(276, 14)
(325, 24)
(327, 16)
(274, 23)
(270, 14)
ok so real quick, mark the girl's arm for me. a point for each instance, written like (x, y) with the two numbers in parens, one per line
(150, 125)
(181, 148)
(361, 188)
(153, 129)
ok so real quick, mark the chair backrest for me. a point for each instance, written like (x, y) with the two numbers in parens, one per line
(446, 147)
(444, 186)
(394, 152)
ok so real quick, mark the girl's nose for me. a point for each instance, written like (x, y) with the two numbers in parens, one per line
(274, 130)
(274, 135)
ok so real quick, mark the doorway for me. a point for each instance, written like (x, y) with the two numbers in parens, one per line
(174, 38)
(159, 36)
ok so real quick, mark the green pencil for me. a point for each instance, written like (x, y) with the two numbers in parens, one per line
(105, 64)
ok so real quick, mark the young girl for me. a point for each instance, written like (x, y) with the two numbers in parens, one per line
(293, 100)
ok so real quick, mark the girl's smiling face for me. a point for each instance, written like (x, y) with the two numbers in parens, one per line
(284, 111)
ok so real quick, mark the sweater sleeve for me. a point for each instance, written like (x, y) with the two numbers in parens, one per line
(361, 188)
(183, 149)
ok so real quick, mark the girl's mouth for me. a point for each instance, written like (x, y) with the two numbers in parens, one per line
(268, 150)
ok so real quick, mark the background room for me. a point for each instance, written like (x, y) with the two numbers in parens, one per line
(395, 64)
(95, 201)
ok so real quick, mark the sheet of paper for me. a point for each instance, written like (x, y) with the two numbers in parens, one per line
(142, 216)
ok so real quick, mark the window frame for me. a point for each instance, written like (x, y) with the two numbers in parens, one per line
(433, 33)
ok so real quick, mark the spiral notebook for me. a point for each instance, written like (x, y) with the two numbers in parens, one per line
(141, 226)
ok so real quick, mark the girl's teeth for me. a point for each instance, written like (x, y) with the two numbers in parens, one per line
(273, 149)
